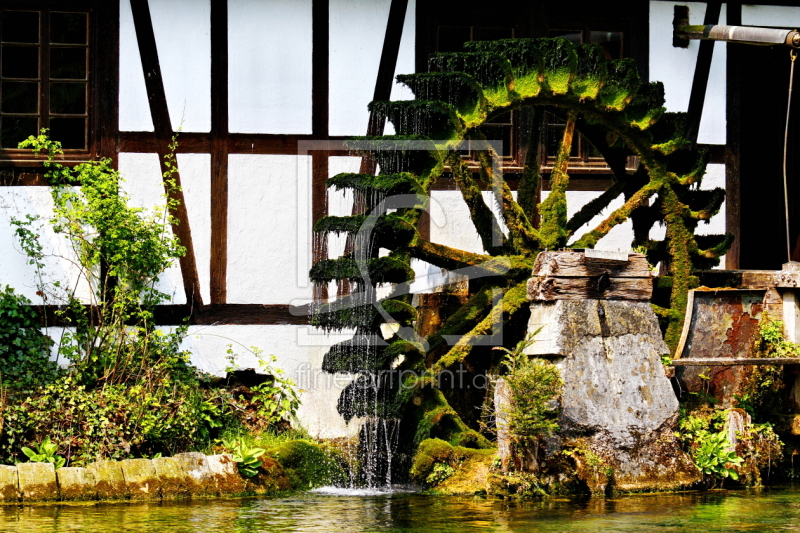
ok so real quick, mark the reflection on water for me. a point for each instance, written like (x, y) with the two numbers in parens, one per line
(331, 510)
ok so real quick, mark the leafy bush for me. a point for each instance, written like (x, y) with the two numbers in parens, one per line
(246, 457)
(535, 386)
(24, 350)
(714, 453)
(130, 389)
(45, 453)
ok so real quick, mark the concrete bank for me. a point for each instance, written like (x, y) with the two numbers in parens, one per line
(185, 475)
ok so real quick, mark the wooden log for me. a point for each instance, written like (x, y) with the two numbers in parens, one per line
(543, 288)
(727, 361)
(750, 279)
(571, 264)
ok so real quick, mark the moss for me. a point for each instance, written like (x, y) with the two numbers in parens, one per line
(482, 217)
(468, 468)
(512, 302)
(647, 106)
(492, 71)
(621, 84)
(525, 58)
(306, 464)
(559, 64)
(457, 89)
(591, 71)
(432, 119)
(379, 269)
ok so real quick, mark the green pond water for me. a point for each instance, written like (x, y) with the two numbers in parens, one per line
(363, 511)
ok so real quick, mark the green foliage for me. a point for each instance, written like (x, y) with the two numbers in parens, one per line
(773, 343)
(24, 350)
(307, 464)
(247, 458)
(130, 389)
(440, 473)
(714, 453)
(45, 453)
(275, 401)
(535, 386)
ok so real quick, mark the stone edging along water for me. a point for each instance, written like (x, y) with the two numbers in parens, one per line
(184, 475)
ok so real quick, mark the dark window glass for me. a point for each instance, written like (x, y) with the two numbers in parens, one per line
(20, 62)
(611, 41)
(68, 63)
(493, 34)
(71, 132)
(20, 27)
(68, 28)
(16, 129)
(68, 98)
(19, 97)
(452, 38)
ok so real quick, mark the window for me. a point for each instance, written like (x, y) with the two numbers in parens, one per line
(44, 76)
(584, 156)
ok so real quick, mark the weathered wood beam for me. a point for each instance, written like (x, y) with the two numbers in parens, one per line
(320, 96)
(218, 267)
(733, 78)
(576, 264)
(701, 72)
(548, 289)
(159, 112)
(737, 362)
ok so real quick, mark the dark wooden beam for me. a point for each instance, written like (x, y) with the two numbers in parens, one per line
(701, 71)
(727, 361)
(238, 143)
(733, 140)
(219, 151)
(320, 51)
(104, 110)
(163, 134)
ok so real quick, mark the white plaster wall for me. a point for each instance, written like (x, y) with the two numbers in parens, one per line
(675, 68)
(59, 257)
(778, 16)
(455, 228)
(269, 66)
(357, 29)
(143, 183)
(183, 37)
(618, 239)
(269, 228)
(134, 110)
(299, 351)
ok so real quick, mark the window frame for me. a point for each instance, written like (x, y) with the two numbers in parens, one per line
(102, 80)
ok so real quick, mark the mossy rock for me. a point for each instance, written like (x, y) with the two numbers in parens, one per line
(306, 464)
(75, 483)
(448, 469)
(9, 483)
(198, 476)
(225, 474)
(271, 478)
(172, 477)
(109, 480)
(37, 481)
(141, 479)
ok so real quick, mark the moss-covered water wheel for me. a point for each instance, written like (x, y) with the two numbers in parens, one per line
(605, 101)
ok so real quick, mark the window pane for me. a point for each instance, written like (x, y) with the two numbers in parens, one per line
(20, 27)
(19, 97)
(493, 34)
(68, 98)
(570, 35)
(71, 132)
(68, 63)
(499, 133)
(20, 62)
(611, 41)
(452, 38)
(16, 129)
(68, 28)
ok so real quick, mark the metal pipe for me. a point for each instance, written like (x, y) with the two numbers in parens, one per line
(740, 34)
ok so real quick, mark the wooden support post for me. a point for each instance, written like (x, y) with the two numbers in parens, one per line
(732, 146)
(701, 72)
(218, 267)
(164, 132)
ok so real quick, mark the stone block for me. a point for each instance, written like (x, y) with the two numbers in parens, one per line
(171, 476)
(76, 483)
(141, 479)
(37, 481)
(198, 476)
(9, 484)
(109, 480)
(225, 473)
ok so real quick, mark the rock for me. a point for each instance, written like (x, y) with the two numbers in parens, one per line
(616, 396)
(502, 401)
(109, 480)
(270, 479)
(171, 476)
(225, 474)
(9, 483)
(37, 481)
(141, 479)
(198, 476)
(75, 483)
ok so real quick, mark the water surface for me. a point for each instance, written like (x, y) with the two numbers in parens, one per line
(330, 510)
